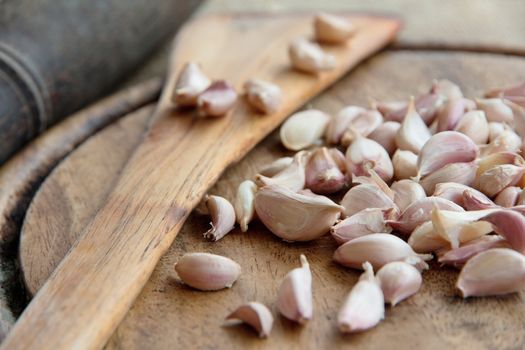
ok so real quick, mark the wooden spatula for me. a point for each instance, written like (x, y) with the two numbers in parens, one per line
(179, 159)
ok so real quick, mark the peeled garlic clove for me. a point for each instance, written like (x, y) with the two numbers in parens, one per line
(303, 129)
(454, 109)
(365, 196)
(385, 135)
(496, 110)
(444, 148)
(367, 221)
(190, 84)
(295, 294)
(447, 89)
(398, 280)
(507, 141)
(462, 173)
(364, 307)
(323, 176)
(244, 210)
(332, 29)
(508, 197)
(222, 217)
(362, 125)
(339, 123)
(475, 200)
(405, 164)
(276, 166)
(377, 248)
(206, 271)
(294, 216)
(510, 225)
(493, 272)
(406, 192)
(264, 96)
(497, 178)
(425, 240)
(459, 256)
(309, 57)
(292, 177)
(474, 124)
(455, 192)
(217, 99)
(256, 315)
(364, 154)
(413, 133)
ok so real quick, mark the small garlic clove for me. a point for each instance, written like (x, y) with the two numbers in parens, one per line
(455, 192)
(385, 135)
(426, 105)
(332, 29)
(516, 90)
(459, 256)
(390, 110)
(462, 173)
(276, 166)
(497, 178)
(309, 57)
(425, 240)
(294, 300)
(244, 210)
(406, 192)
(367, 221)
(453, 110)
(362, 125)
(413, 133)
(256, 315)
(405, 164)
(377, 248)
(475, 200)
(493, 272)
(364, 307)
(206, 271)
(510, 225)
(294, 216)
(474, 124)
(264, 96)
(323, 176)
(398, 280)
(365, 196)
(507, 141)
(222, 217)
(303, 129)
(364, 154)
(447, 89)
(496, 110)
(217, 99)
(292, 177)
(495, 129)
(340, 122)
(508, 197)
(190, 84)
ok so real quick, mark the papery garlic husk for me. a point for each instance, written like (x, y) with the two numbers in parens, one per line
(398, 280)
(455, 192)
(303, 129)
(332, 29)
(507, 141)
(190, 84)
(510, 225)
(377, 248)
(493, 272)
(222, 217)
(462, 173)
(292, 177)
(451, 113)
(406, 192)
(339, 123)
(364, 307)
(459, 256)
(426, 105)
(475, 200)
(244, 209)
(294, 216)
(276, 166)
(367, 221)
(447, 89)
(264, 96)
(496, 110)
(508, 197)
(256, 315)
(309, 57)
(323, 176)
(385, 135)
(362, 125)
(497, 178)
(206, 271)
(474, 124)
(365, 196)
(413, 133)
(217, 99)
(364, 154)
(405, 164)
(294, 300)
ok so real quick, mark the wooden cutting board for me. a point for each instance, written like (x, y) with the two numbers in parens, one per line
(168, 315)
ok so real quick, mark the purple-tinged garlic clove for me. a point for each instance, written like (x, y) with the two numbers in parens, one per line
(254, 314)
(303, 129)
(292, 177)
(398, 280)
(385, 135)
(332, 29)
(367, 221)
(413, 133)
(365, 196)
(264, 96)
(340, 122)
(462, 173)
(217, 100)
(361, 126)
(516, 90)
(510, 225)
(364, 154)
(455, 192)
(222, 216)
(309, 57)
(459, 256)
(391, 109)
(496, 110)
(475, 200)
(452, 112)
(508, 197)
(323, 175)
(474, 124)
(190, 83)
(294, 300)
(406, 192)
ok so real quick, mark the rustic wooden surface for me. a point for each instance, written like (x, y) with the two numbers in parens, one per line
(167, 315)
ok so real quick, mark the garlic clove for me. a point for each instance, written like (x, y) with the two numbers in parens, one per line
(264, 96)
(516, 90)
(374, 179)
(406, 192)
(459, 256)
(340, 159)
(303, 129)
(493, 272)
(495, 129)
(222, 217)
(309, 57)
(475, 200)
(244, 209)
(507, 141)
(487, 162)
(295, 216)
(405, 164)
(508, 197)
(496, 110)
(365, 196)
(447, 89)
(340, 122)
(292, 177)
(385, 135)
(519, 117)
(453, 110)
(367, 221)
(364, 154)
(390, 110)
(276, 166)
(474, 124)
(323, 176)
(497, 178)
(462, 173)
(455, 192)
(426, 105)
(294, 300)
(425, 240)
(521, 199)
(398, 280)
(189, 85)
(217, 99)
(362, 125)
(364, 307)
(256, 315)
(510, 225)
(206, 271)
(413, 133)
(332, 29)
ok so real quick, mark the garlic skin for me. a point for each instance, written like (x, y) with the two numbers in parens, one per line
(462, 173)
(243, 205)
(323, 176)
(496, 110)
(364, 307)
(189, 85)
(459, 256)
(364, 154)
(496, 271)
(339, 123)
(255, 314)
(303, 129)
(474, 124)
(365, 196)
(367, 221)
(204, 271)
(222, 217)
(406, 192)
(510, 225)
(309, 57)
(294, 300)
(216, 100)
(398, 280)
(362, 125)
(487, 162)
(264, 96)
(385, 135)
(294, 216)
(456, 193)
(494, 180)
(508, 197)
(292, 177)
(425, 240)
(332, 29)
(276, 166)
(405, 164)
(454, 109)
(413, 133)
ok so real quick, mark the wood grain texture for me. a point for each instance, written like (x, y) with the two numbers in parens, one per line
(179, 159)
(168, 315)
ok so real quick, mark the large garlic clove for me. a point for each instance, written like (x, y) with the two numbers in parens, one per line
(190, 84)
(493, 272)
(364, 307)
(264, 96)
(340, 122)
(385, 135)
(405, 164)
(294, 300)
(454, 109)
(206, 271)
(367, 221)
(365, 196)
(377, 248)
(508, 197)
(507, 141)
(455, 192)
(474, 124)
(362, 125)
(425, 240)
(222, 217)
(406, 192)
(332, 29)
(413, 133)
(475, 200)
(323, 176)
(447, 89)
(459, 256)
(364, 154)
(292, 177)
(303, 129)
(217, 99)
(294, 216)
(244, 209)
(256, 315)
(309, 57)
(462, 173)
(494, 180)
(510, 225)
(398, 280)
(496, 110)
